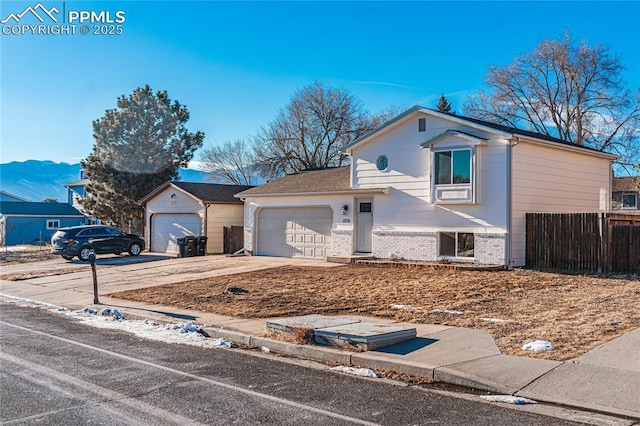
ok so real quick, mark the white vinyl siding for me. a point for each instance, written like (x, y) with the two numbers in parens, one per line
(409, 206)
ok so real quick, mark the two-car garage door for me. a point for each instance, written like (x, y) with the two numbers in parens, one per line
(295, 232)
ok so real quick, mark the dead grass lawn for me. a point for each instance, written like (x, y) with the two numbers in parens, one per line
(575, 313)
(27, 254)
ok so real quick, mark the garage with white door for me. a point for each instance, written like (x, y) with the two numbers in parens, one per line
(294, 232)
(166, 228)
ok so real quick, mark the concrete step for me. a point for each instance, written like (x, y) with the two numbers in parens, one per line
(341, 332)
(363, 336)
(349, 259)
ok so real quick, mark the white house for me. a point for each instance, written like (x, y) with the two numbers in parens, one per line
(179, 209)
(427, 186)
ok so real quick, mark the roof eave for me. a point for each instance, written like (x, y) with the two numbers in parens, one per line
(164, 187)
(419, 109)
(384, 190)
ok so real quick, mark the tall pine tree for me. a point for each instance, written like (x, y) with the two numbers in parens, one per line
(139, 145)
(443, 104)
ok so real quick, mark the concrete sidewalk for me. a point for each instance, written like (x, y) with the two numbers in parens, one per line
(605, 380)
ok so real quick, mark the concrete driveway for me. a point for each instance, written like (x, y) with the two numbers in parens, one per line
(119, 273)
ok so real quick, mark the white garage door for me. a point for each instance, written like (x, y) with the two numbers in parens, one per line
(165, 228)
(295, 232)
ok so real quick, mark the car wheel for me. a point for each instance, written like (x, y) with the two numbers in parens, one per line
(135, 249)
(84, 252)
(65, 257)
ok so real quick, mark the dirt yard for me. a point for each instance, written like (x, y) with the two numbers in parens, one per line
(25, 254)
(575, 313)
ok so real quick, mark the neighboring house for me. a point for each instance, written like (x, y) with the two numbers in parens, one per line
(76, 190)
(626, 193)
(6, 196)
(428, 186)
(178, 209)
(27, 222)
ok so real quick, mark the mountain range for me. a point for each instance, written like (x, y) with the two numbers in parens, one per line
(36, 180)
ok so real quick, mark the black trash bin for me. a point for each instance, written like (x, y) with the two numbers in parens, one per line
(201, 246)
(182, 247)
(190, 246)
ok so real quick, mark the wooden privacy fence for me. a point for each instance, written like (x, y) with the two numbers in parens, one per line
(624, 249)
(581, 242)
(233, 239)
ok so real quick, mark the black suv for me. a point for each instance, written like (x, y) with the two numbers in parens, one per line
(81, 240)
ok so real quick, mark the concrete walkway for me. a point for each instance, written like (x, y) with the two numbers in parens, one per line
(606, 379)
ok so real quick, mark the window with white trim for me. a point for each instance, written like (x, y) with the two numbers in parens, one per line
(453, 167)
(453, 176)
(53, 224)
(457, 244)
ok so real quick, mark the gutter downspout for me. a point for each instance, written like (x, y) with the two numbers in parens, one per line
(508, 242)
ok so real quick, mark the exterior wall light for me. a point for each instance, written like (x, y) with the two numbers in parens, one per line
(345, 209)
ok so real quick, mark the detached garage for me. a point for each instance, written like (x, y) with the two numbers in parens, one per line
(179, 209)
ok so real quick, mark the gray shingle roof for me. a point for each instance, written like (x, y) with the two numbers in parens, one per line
(333, 179)
(626, 183)
(213, 192)
(38, 209)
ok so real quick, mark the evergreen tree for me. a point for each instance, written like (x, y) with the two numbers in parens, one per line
(139, 145)
(443, 104)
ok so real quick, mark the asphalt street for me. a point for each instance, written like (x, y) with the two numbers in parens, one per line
(55, 370)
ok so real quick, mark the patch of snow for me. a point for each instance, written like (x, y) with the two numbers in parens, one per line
(492, 319)
(15, 248)
(108, 312)
(364, 372)
(186, 327)
(538, 345)
(22, 301)
(108, 318)
(509, 399)
(453, 312)
(406, 308)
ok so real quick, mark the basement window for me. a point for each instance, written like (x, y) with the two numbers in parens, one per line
(456, 244)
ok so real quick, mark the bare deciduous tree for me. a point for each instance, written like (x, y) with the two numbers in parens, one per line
(232, 162)
(309, 132)
(571, 91)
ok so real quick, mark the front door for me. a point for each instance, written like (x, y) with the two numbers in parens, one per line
(364, 225)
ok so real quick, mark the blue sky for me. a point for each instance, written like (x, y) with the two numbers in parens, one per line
(234, 64)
